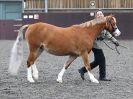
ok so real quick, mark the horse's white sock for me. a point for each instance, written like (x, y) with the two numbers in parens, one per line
(29, 75)
(35, 71)
(92, 78)
(60, 75)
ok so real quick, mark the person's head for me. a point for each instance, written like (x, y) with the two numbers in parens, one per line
(99, 14)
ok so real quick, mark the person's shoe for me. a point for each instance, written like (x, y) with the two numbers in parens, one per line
(81, 74)
(104, 79)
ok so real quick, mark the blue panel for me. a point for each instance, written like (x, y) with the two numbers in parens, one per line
(13, 7)
(13, 10)
(10, 10)
(1, 11)
(13, 15)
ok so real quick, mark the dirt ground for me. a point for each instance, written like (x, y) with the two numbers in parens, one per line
(119, 69)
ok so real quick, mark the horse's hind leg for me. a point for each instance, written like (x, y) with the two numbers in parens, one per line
(32, 69)
(66, 65)
(88, 67)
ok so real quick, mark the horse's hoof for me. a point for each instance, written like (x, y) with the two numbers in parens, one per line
(36, 76)
(31, 80)
(95, 81)
(59, 80)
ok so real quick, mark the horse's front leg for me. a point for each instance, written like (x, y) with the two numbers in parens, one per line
(66, 65)
(88, 67)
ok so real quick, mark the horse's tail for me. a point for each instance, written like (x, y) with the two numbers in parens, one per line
(17, 52)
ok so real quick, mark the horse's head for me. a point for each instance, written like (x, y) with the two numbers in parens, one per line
(111, 25)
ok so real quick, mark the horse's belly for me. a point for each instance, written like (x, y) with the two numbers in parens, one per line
(60, 49)
(60, 53)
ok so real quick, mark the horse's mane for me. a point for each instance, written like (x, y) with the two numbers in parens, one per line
(91, 23)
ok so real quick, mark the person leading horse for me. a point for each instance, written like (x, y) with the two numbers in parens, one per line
(99, 58)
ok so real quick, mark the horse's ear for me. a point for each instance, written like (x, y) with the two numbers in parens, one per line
(112, 15)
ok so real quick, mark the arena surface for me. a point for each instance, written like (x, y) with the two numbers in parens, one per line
(119, 69)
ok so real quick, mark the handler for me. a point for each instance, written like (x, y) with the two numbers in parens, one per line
(99, 58)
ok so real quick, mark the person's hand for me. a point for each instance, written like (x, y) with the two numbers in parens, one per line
(100, 38)
(116, 43)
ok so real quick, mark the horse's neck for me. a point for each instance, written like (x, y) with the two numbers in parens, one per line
(97, 29)
(93, 27)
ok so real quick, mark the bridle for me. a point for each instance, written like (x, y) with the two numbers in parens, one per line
(109, 23)
(113, 28)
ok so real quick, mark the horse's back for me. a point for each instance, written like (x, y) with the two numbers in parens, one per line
(39, 30)
(57, 40)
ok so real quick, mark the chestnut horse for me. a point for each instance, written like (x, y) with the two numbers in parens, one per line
(74, 41)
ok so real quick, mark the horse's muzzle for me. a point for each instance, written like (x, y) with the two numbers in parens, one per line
(117, 32)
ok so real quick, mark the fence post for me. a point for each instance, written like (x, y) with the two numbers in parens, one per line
(46, 6)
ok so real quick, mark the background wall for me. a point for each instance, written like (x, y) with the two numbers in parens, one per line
(61, 13)
(8, 28)
(124, 21)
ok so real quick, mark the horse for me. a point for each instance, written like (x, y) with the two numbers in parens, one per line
(73, 41)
